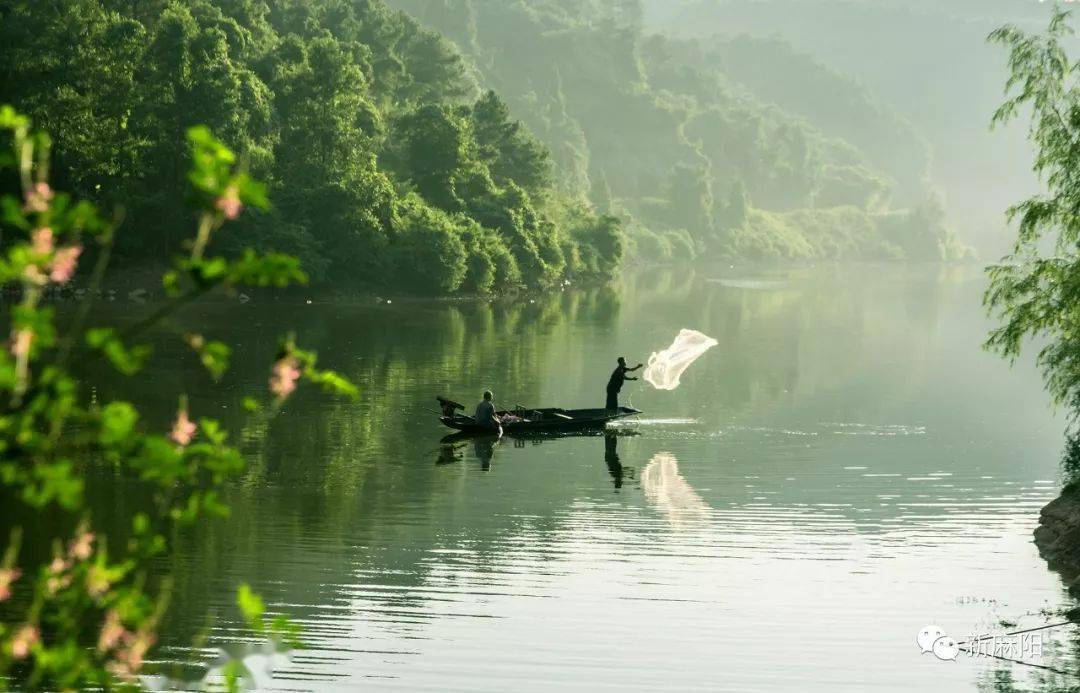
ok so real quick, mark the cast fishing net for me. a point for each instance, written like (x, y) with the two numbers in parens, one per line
(665, 368)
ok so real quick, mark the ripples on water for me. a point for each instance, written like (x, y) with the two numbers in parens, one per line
(845, 468)
(693, 574)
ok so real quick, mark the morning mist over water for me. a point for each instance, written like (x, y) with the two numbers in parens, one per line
(493, 345)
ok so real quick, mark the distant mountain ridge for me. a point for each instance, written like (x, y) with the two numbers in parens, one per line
(927, 60)
(690, 140)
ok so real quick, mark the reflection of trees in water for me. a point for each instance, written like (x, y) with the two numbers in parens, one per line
(334, 482)
(334, 488)
(345, 468)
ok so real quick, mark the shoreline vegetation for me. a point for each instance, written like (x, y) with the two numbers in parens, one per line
(89, 617)
(397, 163)
(1033, 292)
(145, 288)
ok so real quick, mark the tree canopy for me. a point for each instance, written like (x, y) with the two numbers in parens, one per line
(388, 165)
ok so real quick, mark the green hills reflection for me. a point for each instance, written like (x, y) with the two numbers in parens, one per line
(842, 408)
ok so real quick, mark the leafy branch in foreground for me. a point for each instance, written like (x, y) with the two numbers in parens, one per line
(89, 617)
(1035, 290)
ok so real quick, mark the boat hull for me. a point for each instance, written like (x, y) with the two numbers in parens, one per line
(542, 421)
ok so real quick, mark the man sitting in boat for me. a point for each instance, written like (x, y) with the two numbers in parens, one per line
(485, 413)
(616, 382)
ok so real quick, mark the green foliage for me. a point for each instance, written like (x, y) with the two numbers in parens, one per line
(253, 609)
(921, 232)
(126, 360)
(345, 109)
(429, 254)
(88, 618)
(735, 211)
(834, 104)
(214, 356)
(1034, 291)
(810, 234)
(660, 131)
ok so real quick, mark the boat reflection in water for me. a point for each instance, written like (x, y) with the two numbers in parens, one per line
(664, 486)
(452, 448)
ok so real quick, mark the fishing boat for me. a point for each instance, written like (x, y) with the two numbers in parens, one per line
(524, 420)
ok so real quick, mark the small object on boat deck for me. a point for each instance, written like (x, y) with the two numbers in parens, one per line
(449, 407)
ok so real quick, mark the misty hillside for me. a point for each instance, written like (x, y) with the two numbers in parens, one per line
(732, 146)
(927, 60)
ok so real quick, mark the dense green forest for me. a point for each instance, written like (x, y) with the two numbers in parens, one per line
(663, 132)
(390, 139)
(387, 165)
(925, 60)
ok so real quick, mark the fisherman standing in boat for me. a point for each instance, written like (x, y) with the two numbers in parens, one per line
(618, 376)
(485, 413)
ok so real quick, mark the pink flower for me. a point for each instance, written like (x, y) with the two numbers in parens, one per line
(26, 638)
(183, 429)
(112, 631)
(58, 565)
(7, 576)
(82, 546)
(286, 373)
(57, 580)
(56, 583)
(64, 262)
(39, 197)
(130, 659)
(229, 203)
(42, 240)
(20, 343)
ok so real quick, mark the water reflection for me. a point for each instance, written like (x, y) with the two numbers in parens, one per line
(611, 459)
(452, 448)
(484, 448)
(847, 461)
(670, 493)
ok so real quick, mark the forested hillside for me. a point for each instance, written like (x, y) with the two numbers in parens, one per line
(925, 59)
(671, 134)
(395, 158)
(388, 167)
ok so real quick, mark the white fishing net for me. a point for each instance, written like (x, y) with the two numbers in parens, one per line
(669, 491)
(665, 368)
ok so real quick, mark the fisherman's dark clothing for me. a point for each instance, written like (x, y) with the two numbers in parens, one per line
(485, 415)
(615, 383)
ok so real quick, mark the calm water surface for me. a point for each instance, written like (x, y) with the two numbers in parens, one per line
(844, 468)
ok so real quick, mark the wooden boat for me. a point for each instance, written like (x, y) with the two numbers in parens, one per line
(540, 436)
(527, 421)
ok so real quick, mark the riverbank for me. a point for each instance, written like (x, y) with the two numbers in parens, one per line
(143, 284)
(1058, 536)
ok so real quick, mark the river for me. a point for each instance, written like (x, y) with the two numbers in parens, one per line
(846, 467)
